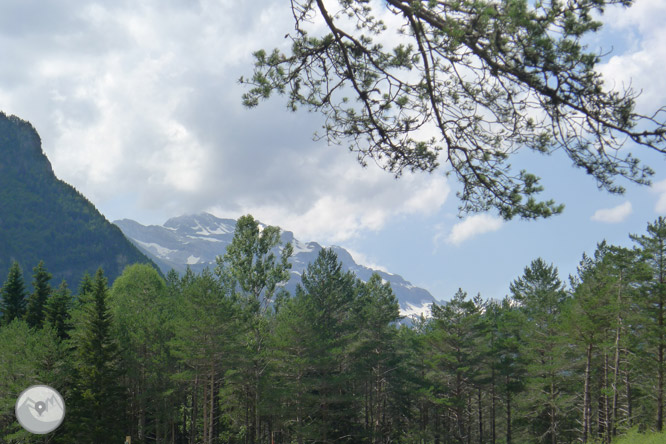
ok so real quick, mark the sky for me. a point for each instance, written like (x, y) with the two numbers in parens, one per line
(138, 106)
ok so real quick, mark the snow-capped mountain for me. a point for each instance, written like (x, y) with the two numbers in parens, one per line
(197, 240)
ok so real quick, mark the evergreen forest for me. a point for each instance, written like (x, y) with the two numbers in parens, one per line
(227, 356)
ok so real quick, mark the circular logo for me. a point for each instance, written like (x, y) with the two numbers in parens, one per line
(40, 409)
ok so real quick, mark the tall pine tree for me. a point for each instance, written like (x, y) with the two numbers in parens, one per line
(97, 401)
(541, 296)
(12, 297)
(58, 310)
(653, 304)
(35, 313)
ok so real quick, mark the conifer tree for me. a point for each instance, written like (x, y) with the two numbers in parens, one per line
(205, 341)
(36, 314)
(375, 360)
(511, 360)
(12, 297)
(541, 296)
(143, 316)
(86, 286)
(589, 322)
(253, 272)
(329, 293)
(97, 401)
(27, 357)
(58, 310)
(653, 305)
(453, 361)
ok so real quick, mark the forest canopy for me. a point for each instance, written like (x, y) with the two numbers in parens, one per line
(226, 356)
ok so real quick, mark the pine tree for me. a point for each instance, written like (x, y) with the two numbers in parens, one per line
(321, 314)
(142, 318)
(452, 359)
(511, 360)
(97, 401)
(206, 330)
(36, 314)
(590, 323)
(653, 304)
(375, 360)
(12, 297)
(541, 296)
(253, 272)
(58, 310)
(86, 286)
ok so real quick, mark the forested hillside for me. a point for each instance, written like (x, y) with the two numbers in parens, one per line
(225, 356)
(43, 218)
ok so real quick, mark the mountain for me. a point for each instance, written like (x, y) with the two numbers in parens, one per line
(44, 218)
(197, 240)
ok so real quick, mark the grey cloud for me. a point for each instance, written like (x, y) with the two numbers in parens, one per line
(140, 100)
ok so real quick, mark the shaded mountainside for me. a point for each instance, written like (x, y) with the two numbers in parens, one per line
(197, 240)
(44, 218)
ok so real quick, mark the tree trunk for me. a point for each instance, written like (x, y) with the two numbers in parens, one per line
(586, 395)
(508, 412)
(616, 369)
(660, 370)
(627, 385)
(211, 408)
(193, 421)
(607, 430)
(480, 417)
(205, 408)
(553, 414)
(660, 352)
(492, 406)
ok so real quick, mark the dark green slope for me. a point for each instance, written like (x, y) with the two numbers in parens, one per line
(44, 218)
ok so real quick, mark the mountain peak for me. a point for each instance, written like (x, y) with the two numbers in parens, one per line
(197, 240)
(204, 222)
(21, 149)
(43, 218)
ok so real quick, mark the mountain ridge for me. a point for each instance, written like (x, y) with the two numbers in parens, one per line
(45, 218)
(195, 240)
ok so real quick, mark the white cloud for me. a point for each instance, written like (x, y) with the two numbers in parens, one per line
(660, 188)
(145, 102)
(640, 66)
(613, 215)
(345, 200)
(471, 227)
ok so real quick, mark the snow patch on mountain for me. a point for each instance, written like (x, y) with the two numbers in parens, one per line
(300, 247)
(197, 240)
(156, 249)
(416, 311)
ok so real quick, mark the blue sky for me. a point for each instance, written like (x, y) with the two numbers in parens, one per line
(139, 109)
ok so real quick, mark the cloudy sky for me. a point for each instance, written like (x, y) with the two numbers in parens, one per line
(139, 108)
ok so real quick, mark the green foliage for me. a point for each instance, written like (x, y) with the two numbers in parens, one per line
(487, 78)
(219, 357)
(35, 313)
(58, 311)
(12, 296)
(27, 357)
(250, 265)
(143, 323)
(46, 219)
(96, 393)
